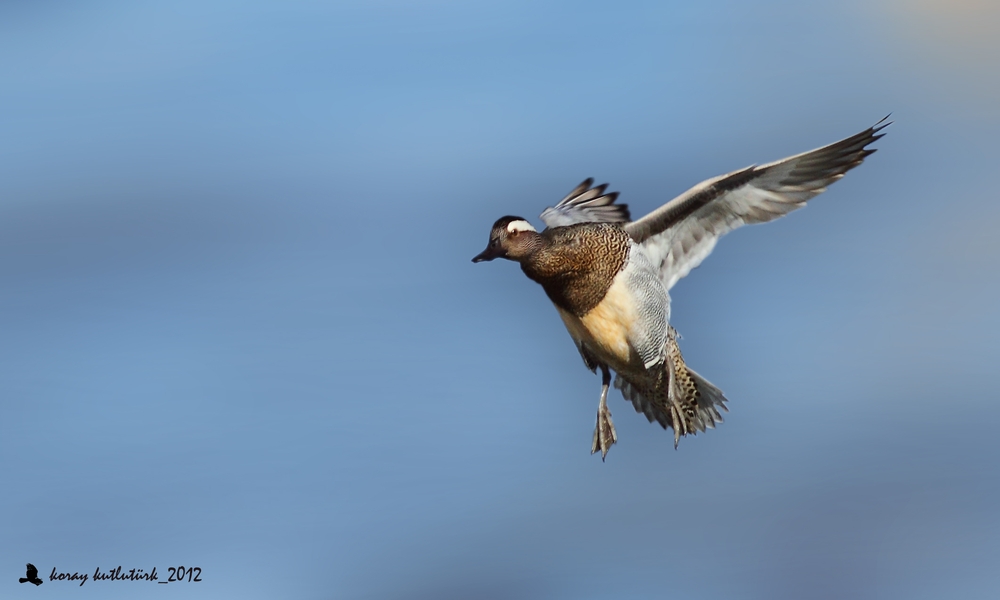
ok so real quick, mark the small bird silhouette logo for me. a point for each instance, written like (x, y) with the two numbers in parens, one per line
(32, 575)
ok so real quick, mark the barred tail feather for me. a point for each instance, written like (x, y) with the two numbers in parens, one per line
(710, 401)
(671, 414)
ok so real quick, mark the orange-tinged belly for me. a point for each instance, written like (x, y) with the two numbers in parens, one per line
(605, 329)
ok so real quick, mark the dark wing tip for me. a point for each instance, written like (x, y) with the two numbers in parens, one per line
(879, 126)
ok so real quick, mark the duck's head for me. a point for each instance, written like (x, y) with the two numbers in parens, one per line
(512, 238)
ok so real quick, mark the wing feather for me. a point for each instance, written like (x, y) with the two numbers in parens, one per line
(682, 233)
(586, 204)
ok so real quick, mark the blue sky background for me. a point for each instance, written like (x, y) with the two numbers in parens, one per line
(239, 328)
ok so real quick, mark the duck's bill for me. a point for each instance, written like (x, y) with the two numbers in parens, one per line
(488, 254)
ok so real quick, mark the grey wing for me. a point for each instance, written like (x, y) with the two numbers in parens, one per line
(586, 204)
(680, 234)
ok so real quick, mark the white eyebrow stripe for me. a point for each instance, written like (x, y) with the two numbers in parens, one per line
(519, 226)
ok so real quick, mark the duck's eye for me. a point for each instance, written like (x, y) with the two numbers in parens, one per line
(494, 243)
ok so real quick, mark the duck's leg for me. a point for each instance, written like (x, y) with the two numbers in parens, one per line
(604, 433)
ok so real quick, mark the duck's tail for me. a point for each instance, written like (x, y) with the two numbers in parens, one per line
(681, 399)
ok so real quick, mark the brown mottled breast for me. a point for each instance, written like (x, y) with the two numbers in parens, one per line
(578, 263)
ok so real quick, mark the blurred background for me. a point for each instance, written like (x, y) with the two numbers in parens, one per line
(240, 329)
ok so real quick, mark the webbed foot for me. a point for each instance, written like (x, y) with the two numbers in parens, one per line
(604, 433)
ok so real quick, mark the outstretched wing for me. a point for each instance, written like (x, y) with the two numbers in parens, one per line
(586, 204)
(32, 572)
(681, 233)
